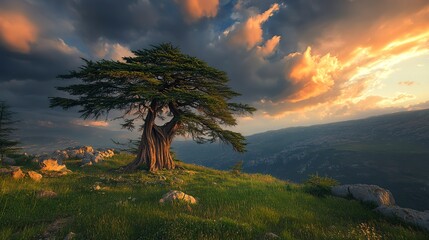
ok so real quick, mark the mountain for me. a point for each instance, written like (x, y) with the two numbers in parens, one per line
(389, 150)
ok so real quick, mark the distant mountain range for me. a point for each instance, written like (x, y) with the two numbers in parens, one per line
(390, 150)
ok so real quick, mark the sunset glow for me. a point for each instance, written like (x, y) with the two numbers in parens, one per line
(299, 63)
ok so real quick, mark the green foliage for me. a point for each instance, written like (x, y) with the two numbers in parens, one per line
(229, 207)
(319, 186)
(7, 145)
(185, 93)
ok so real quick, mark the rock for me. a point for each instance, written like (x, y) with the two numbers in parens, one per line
(60, 156)
(17, 174)
(365, 193)
(175, 195)
(88, 158)
(97, 156)
(46, 194)
(411, 216)
(52, 165)
(8, 161)
(79, 152)
(35, 176)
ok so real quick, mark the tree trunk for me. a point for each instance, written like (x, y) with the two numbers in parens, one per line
(154, 148)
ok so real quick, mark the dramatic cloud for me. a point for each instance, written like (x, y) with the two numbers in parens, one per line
(250, 32)
(314, 75)
(17, 31)
(196, 9)
(299, 62)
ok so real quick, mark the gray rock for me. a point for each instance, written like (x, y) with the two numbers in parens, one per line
(88, 158)
(365, 193)
(411, 216)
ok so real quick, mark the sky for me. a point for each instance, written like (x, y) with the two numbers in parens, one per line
(299, 62)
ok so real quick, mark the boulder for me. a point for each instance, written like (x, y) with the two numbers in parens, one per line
(52, 165)
(365, 193)
(60, 156)
(175, 195)
(411, 216)
(35, 176)
(17, 173)
(88, 158)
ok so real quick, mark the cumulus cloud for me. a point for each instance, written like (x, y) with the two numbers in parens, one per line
(114, 51)
(17, 31)
(196, 9)
(312, 75)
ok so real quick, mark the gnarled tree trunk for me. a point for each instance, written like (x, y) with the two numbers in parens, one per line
(154, 148)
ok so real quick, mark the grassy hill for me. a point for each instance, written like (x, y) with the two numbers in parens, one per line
(97, 203)
(390, 150)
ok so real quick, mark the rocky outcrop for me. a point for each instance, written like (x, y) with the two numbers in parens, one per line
(52, 165)
(411, 216)
(365, 193)
(174, 195)
(88, 155)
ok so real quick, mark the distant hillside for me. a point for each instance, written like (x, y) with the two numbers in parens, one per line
(390, 150)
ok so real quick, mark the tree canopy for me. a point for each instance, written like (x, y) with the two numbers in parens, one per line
(173, 93)
(7, 144)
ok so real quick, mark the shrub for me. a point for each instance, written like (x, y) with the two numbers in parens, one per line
(237, 168)
(319, 186)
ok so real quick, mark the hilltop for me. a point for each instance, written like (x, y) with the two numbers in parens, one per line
(95, 202)
(389, 150)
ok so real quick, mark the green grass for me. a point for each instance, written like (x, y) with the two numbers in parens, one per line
(231, 206)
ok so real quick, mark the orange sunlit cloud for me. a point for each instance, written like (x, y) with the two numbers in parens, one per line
(17, 31)
(196, 9)
(269, 46)
(89, 123)
(332, 73)
(313, 74)
(250, 32)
